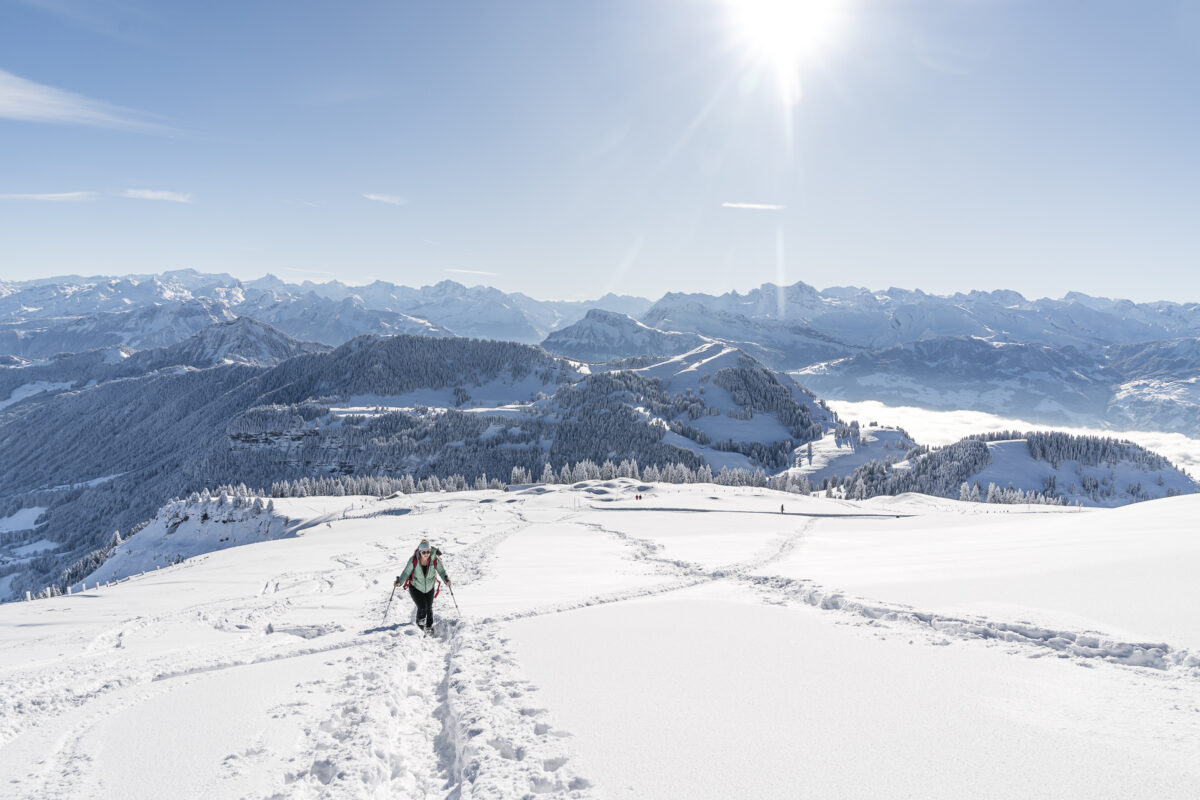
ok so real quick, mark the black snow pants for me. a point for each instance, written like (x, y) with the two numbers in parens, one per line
(424, 601)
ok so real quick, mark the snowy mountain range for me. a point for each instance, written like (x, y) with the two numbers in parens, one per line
(858, 319)
(797, 325)
(1076, 360)
(48, 316)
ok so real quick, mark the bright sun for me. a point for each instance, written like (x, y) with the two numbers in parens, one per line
(787, 33)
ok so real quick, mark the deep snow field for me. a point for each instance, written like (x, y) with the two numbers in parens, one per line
(696, 643)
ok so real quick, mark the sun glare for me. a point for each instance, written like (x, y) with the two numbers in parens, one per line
(787, 33)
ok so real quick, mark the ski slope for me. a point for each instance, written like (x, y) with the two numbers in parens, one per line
(695, 643)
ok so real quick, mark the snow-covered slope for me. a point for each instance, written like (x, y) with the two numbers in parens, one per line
(1150, 386)
(1159, 386)
(733, 411)
(607, 335)
(613, 647)
(784, 343)
(844, 449)
(1109, 483)
(141, 327)
(242, 341)
(187, 528)
(480, 311)
(74, 295)
(1040, 382)
(1008, 467)
(314, 318)
(937, 428)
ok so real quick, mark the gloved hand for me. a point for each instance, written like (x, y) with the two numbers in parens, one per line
(447, 581)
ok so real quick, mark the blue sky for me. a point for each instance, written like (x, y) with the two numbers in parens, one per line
(566, 149)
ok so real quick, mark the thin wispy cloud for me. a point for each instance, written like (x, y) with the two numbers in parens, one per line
(754, 206)
(472, 272)
(53, 197)
(390, 199)
(157, 194)
(26, 100)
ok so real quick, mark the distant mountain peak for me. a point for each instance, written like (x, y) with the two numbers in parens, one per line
(238, 341)
(607, 335)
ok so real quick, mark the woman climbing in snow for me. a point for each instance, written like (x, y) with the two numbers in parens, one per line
(420, 578)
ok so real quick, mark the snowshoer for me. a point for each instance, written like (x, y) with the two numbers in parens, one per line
(420, 577)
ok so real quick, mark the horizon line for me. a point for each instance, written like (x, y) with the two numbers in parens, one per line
(762, 286)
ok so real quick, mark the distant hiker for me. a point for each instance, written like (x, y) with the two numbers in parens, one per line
(420, 577)
(781, 508)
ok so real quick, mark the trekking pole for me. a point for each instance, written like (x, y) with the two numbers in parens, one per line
(389, 603)
(455, 599)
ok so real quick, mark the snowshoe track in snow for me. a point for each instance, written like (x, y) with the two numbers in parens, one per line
(1088, 645)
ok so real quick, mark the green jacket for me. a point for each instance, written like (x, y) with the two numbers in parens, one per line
(423, 580)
